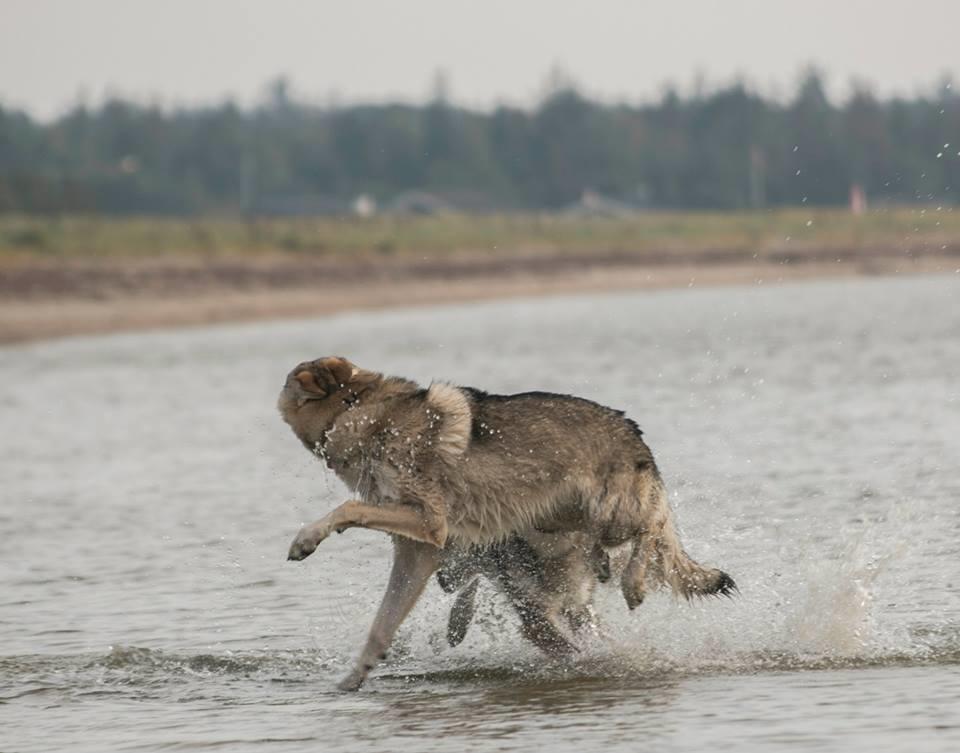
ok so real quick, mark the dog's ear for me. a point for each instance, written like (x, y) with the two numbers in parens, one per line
(308, 383)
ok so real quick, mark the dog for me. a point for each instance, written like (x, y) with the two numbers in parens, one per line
(445, 464)
(549, 579)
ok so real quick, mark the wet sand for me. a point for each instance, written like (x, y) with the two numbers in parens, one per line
(56, 298)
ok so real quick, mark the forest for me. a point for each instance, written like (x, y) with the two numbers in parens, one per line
(729, 148)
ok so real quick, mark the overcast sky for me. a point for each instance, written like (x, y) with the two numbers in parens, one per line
(53, 52)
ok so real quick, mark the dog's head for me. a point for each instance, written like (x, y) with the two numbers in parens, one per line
(317, 391)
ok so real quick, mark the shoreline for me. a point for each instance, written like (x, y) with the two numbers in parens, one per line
(45, 300)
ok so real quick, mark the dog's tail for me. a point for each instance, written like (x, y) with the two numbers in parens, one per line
(685, 576)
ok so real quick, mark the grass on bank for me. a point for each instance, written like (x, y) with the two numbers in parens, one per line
(79, 237)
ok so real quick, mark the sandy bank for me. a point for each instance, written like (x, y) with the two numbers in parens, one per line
(43, 299)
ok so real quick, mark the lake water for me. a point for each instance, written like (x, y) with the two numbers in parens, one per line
(809, 434)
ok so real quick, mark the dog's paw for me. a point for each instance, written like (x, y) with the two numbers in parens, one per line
(353, 681)
(306, 541)
(633, 593)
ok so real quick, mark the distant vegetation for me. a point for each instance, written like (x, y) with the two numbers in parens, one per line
(725, 149)
(781, 232)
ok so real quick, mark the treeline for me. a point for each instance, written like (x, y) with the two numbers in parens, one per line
(730, 148)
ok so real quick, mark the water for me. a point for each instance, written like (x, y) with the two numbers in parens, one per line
(809, 435)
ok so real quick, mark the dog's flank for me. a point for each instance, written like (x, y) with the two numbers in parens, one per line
(460, 464)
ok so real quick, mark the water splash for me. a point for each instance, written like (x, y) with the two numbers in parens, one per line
(827, 605)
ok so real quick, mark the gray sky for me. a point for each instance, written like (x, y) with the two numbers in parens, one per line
(188, 51)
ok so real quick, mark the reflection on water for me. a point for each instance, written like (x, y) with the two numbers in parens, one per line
(807, 433)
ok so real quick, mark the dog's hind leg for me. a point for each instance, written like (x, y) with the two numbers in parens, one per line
(657, 551)
(600, 562)
(538, 623)
(413, 564)
(542, 630)
(582, 618)
(461, 614)
(634, 577)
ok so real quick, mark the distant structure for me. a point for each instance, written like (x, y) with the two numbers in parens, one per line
(364, 205)
(858, 199)
(758, 177)
(418, 202)
(300, 205)
(593, 204)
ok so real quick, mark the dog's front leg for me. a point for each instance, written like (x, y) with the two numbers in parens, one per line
(413, 564)
(409, 521)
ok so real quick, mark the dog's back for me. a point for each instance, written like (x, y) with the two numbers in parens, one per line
(541, 460)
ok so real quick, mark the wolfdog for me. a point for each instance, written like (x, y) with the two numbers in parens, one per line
(455, 464)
